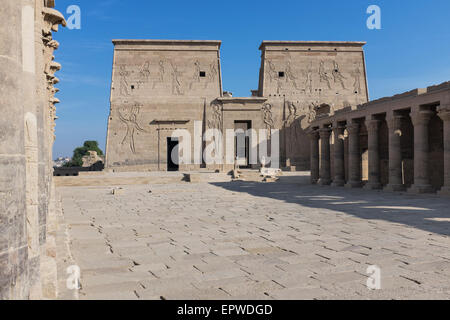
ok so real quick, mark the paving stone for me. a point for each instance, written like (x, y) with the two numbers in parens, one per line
(267, 241)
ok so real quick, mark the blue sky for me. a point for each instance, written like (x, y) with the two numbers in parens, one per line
(411, 50)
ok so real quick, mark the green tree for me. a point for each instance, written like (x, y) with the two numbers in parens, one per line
(80, 152)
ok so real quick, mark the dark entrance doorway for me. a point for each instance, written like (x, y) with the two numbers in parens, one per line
(172, 154)
(242, 143)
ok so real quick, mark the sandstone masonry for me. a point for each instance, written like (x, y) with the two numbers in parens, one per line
(159, 86)
(27, 196)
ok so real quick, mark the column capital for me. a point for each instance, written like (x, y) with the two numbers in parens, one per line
(339, 128)
(325, 132)
(373, 124)
(444, 112)
(353, 128)
(422, 117)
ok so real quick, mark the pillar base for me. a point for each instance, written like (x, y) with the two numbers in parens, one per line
(314, 181)
(445, 191)
(353, 184)
(324, 182)
(394, 188)
(373, 186)
(424, 188)
(338, 183)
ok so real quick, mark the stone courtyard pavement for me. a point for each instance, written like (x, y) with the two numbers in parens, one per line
(249, 240)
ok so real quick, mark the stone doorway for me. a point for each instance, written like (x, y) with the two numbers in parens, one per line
(242, 143)
(173, 158)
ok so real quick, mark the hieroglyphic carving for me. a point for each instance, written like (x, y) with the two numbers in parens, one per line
(144, 71)
(176, 81)
(337, 75)
(161, 73)
(323, 75)
(290, 77)
(271, 71)
(215, 122)
(292, 126)
(212, 73)
(308, 78)
(123, 89)
(132, 125)
(357, 79)
(312, 107)
(267, 116)
(216, 117)
(196, 74)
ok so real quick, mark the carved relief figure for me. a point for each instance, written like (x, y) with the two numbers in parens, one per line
(290, 75)
(161, 72)
(292, 126)
(337, 75)
(323, 75)
(130, 120)
(308, 78)
(216, 117)
(312, 111)
(267, 116)
(124, 91)
(176, 82)
(271, 72)
(212, 73)
(144, 71)
(215, 122)
(196, 74)
(357, 79)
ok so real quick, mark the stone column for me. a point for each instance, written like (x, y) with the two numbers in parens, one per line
(444, 114)
(13, 237)
(374, 155)
(314, 137)
(420, 120)
(354, 156)
(325, 162)
(394, 123)
(339, 165)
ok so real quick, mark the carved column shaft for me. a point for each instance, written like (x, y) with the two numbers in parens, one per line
(314, 140)
(325, 163)
(394, 123)
(374, 155)
(354, 156)
(444, 114)
(339, 164)
(420, 121)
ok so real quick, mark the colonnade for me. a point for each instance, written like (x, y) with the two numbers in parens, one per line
(420, 119)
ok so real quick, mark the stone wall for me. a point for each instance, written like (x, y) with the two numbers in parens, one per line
(27, 265)
(306, 75)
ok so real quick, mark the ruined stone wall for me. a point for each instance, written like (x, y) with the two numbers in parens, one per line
(27, 266)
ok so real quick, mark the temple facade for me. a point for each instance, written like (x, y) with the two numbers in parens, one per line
(159, 86)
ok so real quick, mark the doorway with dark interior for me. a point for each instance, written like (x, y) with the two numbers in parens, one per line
(172, 154)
